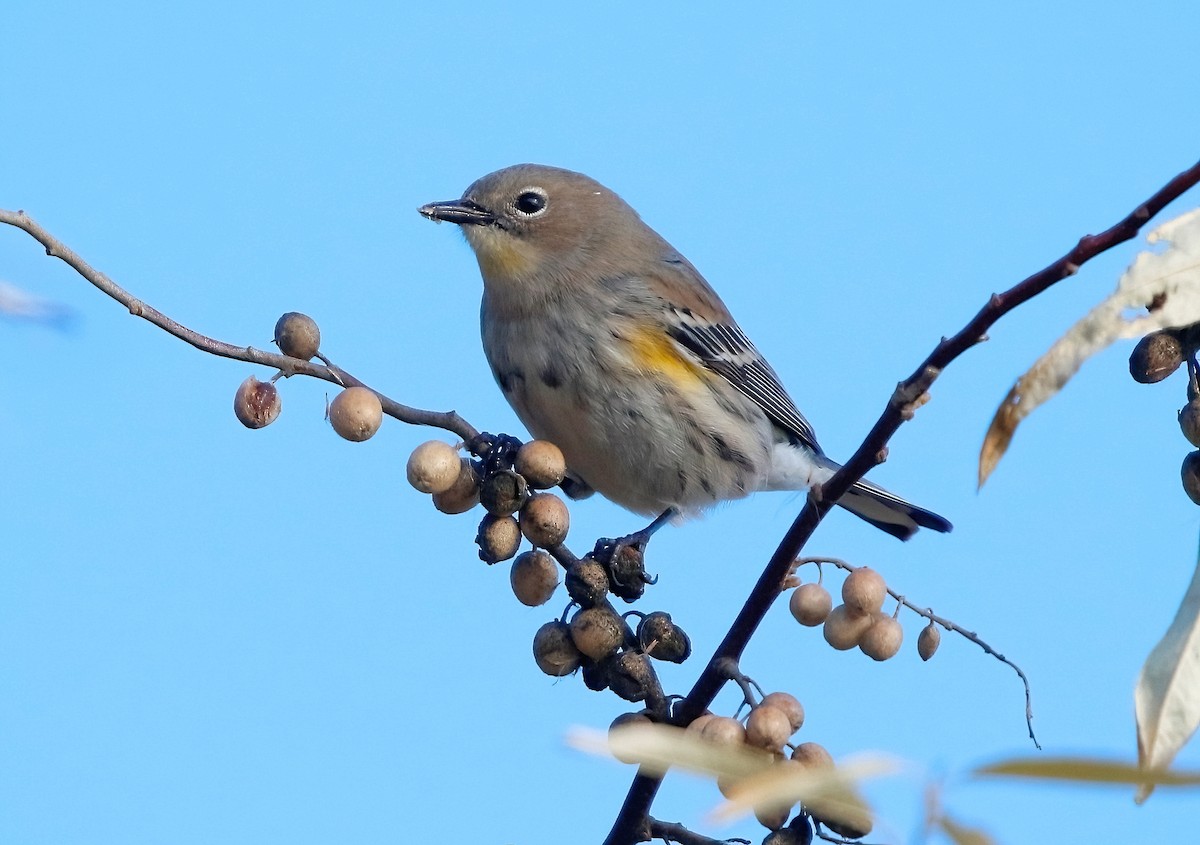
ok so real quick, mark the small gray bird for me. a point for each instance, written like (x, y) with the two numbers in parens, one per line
(607, 342)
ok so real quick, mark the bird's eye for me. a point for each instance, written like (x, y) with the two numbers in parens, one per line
(531, 202)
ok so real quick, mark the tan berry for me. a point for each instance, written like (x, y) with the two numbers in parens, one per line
(541, 463)
(623, 721)
(498, 539)
(297, 335)
(864, 590)
(882, 640)
(697, 724)
(256, 403)
(812, 755)
(789, 704)
(433, 467)
(356, 414)
(534, 578)
(810, 604)
(463, 494)
(928, 641)
(597, 632)
(724, 730)
(553, 650)
(544, 520)
(772, 818)
(844, 627)
(768, 727)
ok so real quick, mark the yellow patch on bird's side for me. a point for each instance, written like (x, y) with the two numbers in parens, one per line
(655, 352)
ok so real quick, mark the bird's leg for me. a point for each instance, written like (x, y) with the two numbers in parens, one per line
(640, 539)
(624, 558)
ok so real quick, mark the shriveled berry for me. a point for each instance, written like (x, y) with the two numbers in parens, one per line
(882, 640)
(534, 577)
(256, 403)
(356, 414)
(627, 573)
(864, 590)
(788, 836)
(503, 493)
(1190, 474)
(1155, 357)
(433, 467)
(297, 335)
(463, 494)
(1189, 421)
(789, 704)
(810, 604)
(597, 632)
(587, 582)
(928, 641)
(544, 520)
(768, 727)
(844, 627)
(662, 639)
(629, 675)
(541, 463)
(498, 539)
(553, 650)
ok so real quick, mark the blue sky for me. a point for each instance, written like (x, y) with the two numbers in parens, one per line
(209, 634)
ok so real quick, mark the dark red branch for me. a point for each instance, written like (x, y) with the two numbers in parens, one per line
(632, 816)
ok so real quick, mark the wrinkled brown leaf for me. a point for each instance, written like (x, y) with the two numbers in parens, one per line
(1170, 279)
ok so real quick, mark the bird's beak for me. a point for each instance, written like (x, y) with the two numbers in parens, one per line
(462, 212)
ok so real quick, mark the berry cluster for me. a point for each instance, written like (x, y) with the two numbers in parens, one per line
(1157, 356)
(356, 413)
(859, 620)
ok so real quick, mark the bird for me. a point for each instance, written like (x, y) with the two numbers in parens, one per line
(609, 343)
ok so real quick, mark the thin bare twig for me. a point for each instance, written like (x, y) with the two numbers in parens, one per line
(949, 625)
(448, 420)
(676, 832)
(908, 395)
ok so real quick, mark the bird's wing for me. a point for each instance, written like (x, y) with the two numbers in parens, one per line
(699, 321)
(725, 349)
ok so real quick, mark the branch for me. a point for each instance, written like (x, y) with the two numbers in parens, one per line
(949, 625)
(448, 420)
(909, 395)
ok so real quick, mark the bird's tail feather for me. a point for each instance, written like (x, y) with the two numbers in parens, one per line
(885, 510)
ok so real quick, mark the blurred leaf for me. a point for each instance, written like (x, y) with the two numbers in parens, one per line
(758, 780)
(1167, 696)
(1085, 770)
(960, 834)
(660, 747)
(1170, 279)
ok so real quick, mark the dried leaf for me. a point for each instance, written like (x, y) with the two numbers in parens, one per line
(1170, 279)
(660, 747)
(760, 780)
(960, 834)
(1167, 696)
(1086, 770)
